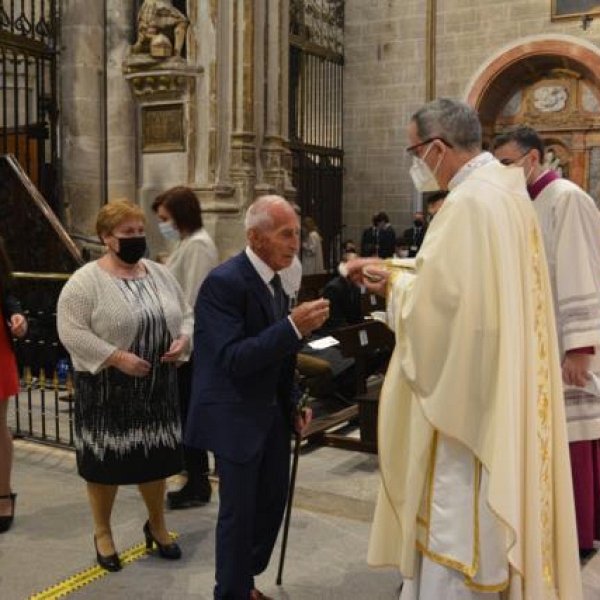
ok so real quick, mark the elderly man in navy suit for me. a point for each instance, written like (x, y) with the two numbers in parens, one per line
(243, 400)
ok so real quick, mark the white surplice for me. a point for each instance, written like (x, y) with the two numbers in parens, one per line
(472, 435)
(570, 223)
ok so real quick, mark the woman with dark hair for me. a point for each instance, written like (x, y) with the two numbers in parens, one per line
(192, 258)
(14, 324)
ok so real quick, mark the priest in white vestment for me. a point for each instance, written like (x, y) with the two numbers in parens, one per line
(570, 223)
(475, 501)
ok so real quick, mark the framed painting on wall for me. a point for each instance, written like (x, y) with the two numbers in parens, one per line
(574, 9)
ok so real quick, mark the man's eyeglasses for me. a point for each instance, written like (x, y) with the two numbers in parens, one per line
(411, 150)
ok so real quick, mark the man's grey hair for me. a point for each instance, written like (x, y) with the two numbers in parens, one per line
(258, 214)
(452, 120)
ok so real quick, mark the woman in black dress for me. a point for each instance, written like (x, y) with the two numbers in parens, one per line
(126, 325)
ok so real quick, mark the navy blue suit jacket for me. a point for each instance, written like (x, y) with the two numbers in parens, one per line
(244, 361)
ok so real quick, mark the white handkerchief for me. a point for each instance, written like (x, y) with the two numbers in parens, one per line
(323, 343)
(379, 315)
(591, 387)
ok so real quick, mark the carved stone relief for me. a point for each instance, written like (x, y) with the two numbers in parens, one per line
(550, 98)
(589, 99)
(513, 106)
(561, 102)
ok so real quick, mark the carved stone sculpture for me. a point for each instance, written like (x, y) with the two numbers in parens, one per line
(160, 17)
(550, 98)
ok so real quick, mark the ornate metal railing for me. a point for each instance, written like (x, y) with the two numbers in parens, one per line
(318, 25)
(315, 115)
(34, 20)
(28, 90)
(43, 257)
(43, 409)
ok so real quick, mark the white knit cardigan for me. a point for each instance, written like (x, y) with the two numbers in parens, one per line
(94, 319)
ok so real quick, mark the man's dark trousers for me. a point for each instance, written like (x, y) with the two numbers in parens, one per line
(252, 502)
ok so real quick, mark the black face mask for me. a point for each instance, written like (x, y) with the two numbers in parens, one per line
(418, 223)
(131, 249)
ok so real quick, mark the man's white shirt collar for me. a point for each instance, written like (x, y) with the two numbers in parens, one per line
(266, 274)
(262, 268)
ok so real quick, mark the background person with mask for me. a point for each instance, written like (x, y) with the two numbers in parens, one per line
(379, 239)
(191, 260)
(413, 236)
(570, 224)
(126, 324)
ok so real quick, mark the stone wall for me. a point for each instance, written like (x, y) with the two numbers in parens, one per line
(385, 82)
(97, 112)
(235, 114)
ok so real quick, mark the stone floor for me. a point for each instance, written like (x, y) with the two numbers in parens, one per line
(51, 540)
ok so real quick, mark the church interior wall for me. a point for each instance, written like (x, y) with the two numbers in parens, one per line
(383, 85)
(386, 78)
(385, 81)
(469, 32)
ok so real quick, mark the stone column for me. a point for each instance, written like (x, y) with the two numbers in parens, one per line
(81, 84)
(243, 138)
(121, 129)
(274, 156)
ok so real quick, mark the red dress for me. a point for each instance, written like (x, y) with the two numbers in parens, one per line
(9, 376)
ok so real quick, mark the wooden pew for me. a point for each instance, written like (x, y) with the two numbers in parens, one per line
(361, 342)
(312, 286)
(370, 303)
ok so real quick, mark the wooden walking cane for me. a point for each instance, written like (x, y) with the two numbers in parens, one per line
(302, 404)
(288, 511)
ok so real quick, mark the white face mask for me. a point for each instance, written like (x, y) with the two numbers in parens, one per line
(423, 177)
(168, 231)
(528, 173)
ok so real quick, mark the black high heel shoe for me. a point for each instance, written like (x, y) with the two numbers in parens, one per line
(171, 551)
(7, 520)
(111, 563)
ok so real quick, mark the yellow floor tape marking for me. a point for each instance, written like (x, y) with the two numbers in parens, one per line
(72, 584)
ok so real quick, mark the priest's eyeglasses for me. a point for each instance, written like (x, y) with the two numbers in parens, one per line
(412, 150)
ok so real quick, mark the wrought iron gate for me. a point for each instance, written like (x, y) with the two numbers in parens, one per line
(28, 94)
(315, 104)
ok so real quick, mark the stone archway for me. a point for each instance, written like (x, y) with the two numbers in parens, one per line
(552, 84)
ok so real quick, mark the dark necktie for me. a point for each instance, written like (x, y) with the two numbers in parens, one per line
(279, 300)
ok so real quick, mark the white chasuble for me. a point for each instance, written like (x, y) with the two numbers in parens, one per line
(570, 225)
(472, 405)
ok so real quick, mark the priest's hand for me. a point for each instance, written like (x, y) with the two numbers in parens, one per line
(575, 368)
(370, 272)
